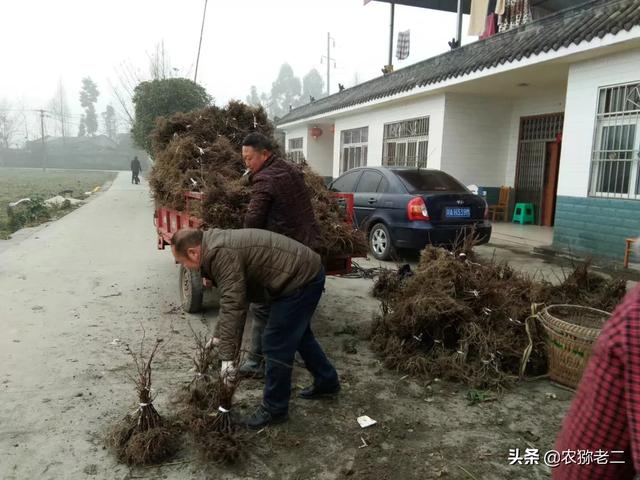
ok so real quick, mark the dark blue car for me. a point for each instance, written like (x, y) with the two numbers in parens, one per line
(409, 208)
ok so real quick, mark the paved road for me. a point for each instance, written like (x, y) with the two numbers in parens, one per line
(66, 293)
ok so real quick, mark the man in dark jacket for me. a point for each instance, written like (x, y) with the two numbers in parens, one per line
(280, 202)
(136, 168)
(247, 264)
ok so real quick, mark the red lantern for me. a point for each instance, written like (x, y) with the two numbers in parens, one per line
(316, 132)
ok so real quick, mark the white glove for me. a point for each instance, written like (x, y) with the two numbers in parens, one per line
(227, 371)
(213, 342)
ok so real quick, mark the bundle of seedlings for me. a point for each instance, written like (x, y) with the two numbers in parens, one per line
(457, 319)
(463, 320)
(201, 393)
(187, 164)
(143, 437)
(338, 234)
(215, 434)
(201, 151)
(587, 288)
(234, 122)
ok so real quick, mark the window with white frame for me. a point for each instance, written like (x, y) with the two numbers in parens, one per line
(616, 146)
(406, 143)
(353, 148)
(295, 152)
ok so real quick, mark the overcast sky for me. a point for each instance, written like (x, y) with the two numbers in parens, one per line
(245, 42)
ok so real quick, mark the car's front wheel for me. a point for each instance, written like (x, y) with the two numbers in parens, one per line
(380, 243)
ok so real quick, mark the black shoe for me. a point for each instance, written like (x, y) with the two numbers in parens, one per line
(251, 369)
(262, 417)
(313, 392)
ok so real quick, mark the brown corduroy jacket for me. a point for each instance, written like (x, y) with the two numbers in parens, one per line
(251, 265)
(280, 202)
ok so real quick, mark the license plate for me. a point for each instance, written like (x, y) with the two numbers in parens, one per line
(458, 212)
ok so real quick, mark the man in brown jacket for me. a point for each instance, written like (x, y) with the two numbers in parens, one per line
(251, 264)
(280, 202)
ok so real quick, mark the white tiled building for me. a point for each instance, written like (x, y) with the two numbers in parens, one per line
(551, 108)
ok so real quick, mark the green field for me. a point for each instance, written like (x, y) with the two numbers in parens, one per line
(17, 183)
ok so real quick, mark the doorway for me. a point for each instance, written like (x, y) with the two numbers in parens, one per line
(550, 189)
(536, 174)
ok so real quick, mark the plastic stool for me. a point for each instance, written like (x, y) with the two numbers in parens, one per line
(523, 213)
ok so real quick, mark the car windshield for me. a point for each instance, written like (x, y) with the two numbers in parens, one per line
(429, 181)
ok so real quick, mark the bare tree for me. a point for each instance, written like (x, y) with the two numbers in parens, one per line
(60, 111)
(128, 76)
(110, 122)
(159, 63)
(9, 123)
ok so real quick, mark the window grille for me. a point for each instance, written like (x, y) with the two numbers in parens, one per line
(353, 148)
(406, 143)
(616, 145)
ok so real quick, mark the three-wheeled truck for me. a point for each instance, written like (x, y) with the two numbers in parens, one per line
(169, 220)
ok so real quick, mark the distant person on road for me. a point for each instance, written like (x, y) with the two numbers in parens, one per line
(280, 203)
(253, 265)
(136, 168)
(604, 418)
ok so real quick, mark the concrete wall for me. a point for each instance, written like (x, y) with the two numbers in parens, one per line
(480, 143)
(320, 151)
(585, 78)
(475, 144)
(432, 106)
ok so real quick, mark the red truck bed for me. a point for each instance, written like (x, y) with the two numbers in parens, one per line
(168, 221)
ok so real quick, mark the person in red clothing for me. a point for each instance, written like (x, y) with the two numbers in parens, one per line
(605, 413)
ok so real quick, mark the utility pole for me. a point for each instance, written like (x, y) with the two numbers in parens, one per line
(329, 60)
(195, 76)
(393, 11)
(459, 24)
(62, 114)
(44, 154)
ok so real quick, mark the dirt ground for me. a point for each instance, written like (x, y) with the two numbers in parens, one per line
(71, 296)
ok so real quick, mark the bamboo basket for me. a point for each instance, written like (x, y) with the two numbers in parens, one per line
(571, 332)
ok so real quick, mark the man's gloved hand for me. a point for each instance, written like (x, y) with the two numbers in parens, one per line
(213, 342)
(228, 372)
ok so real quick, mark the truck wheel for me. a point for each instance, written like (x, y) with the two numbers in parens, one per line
(380, 243)
(191, 290)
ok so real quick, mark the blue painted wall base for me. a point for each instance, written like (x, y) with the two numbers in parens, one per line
(595, 227)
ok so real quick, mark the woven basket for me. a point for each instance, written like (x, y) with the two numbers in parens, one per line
(571, 332)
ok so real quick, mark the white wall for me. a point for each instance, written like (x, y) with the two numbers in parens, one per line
(585, 78)
(535, 103)
(476, 138)
(320, 152)
(433, 106)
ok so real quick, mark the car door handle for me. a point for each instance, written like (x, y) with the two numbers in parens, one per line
(372, 200)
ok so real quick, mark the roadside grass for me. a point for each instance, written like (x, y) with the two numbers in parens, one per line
(18, 183)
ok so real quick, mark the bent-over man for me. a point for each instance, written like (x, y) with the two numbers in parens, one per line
(253, 265)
